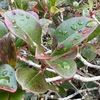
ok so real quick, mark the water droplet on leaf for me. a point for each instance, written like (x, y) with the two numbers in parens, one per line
(13, 21)
(77, 37)
(15, 26)
(73, 27)
(27, 17)
(13, 12)
(65, 32)
(11, 73)
(4, 73)
(66, 65)
(90, 24)
(80, 22)
(59, 65)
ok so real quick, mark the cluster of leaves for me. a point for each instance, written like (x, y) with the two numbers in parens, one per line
(23, 28)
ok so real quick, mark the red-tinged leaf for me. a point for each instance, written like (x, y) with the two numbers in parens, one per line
(7, 50)
(73, 31)
(31, 80)
(7, 78)
(64, 67)
(68, 55)
(24, 25)
(39, 54)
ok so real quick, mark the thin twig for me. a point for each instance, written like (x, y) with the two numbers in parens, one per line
(86, 63)
(93, 16)
(79, 91)
(86, 79)
(76, 76)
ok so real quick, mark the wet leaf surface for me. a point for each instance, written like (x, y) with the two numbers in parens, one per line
(7, 78)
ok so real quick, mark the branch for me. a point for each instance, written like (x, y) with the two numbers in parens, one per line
(78, 92)
(86, 63)
(76, 76)
(86, 79)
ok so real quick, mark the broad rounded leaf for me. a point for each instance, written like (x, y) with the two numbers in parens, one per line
(18, 95)
(7, 78)
(31, 80)
(72, 32)
(24, 25)
(64, 67)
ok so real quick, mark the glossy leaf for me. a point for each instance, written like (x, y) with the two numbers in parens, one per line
(7, 50)
(18, 95)
(64, 67)
(7, 78)
(31, 80)
(3, 29)
(24, 25)
(72, 32)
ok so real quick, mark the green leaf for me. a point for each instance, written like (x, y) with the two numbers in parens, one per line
(7, 78)
(31, 80)
(50, 3)
(8, 50)
(64, 67)
(4, 5)
(90, 3)
(22, 4)
(54, 9)
(24, 25)
(94, 33)
(88, 53)
(18, 95)
(3, 29)
(73, 31)
(95, 48)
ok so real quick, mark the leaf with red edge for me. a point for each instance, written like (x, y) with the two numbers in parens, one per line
(72, 32)
(8, 50)
(64, 67)
(71, 54)
(24, 25)
(39, 53)
(7, 78)
(31, 80)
